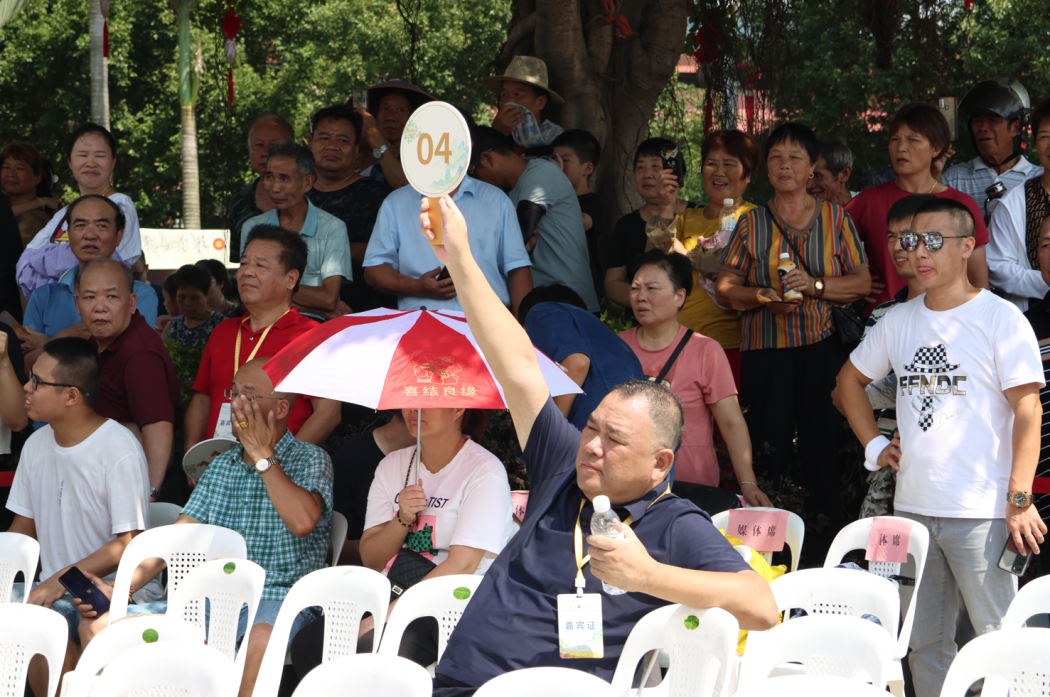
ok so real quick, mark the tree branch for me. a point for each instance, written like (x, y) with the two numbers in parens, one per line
(519, 32)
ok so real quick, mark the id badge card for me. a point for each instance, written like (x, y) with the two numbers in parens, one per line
(224, 426)
(580, 633)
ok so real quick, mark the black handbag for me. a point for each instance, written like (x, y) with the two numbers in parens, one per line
(847, 321)
(661, 378)
(409, 566)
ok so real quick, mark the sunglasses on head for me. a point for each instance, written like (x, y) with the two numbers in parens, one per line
(933, 240)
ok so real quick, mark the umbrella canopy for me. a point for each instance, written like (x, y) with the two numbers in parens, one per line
(388, 359)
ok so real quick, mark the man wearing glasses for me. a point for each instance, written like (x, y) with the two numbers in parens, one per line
(968, 411)
(275, 490)
(81, 488)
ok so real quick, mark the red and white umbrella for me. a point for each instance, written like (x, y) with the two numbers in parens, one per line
(390, 359)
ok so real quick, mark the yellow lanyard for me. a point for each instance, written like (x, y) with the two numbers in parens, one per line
(237, 346)
(581, 560)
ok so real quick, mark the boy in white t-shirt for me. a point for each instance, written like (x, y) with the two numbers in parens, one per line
(968, 410)
(81, 488)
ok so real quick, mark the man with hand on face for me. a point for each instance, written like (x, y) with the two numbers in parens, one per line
(340, 191)
(81, 485)
(96, 226)
(523, 95)
(389, 106)
(548, 212)
(139, 386)
(831, 175)
(671, 553)
(252, 199)
(272, 263)
(290, 174)
(968, 411)
(274, 490)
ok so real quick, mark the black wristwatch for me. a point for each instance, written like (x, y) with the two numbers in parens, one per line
(1019, 499)
(153, 493)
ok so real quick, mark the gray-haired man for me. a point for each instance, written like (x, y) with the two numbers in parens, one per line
(290, 173)
(832, 173)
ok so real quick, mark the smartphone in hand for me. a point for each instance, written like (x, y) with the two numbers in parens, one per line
(673, 160)
(79, 586)
(1013, 561)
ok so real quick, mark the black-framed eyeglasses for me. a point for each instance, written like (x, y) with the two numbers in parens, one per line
(230, 394)
(37, 382)
(934, 240)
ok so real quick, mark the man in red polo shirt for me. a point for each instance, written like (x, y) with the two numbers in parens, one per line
(139, 386)
(271, 266)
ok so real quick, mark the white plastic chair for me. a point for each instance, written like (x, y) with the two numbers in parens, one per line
(168, 668)
(129, 633)
(27, 630)
(227, 584)
(839, 592)
(1033, 599)
(161, 514)
(443, 598)
(368, 674)
(811, 686)
(855, 536)
(701, 645)
(345, 593)
(337, 536)
(18, 552)
(1018, 656)
(796, 532)
(182, 547)
(845, 647)
(547, 681)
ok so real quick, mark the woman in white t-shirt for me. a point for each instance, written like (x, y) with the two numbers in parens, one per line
(459, 516)
(92, 156)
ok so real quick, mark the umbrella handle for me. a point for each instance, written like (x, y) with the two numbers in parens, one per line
(419, 453)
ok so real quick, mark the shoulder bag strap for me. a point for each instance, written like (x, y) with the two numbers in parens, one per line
(674, 356)
(791, 242)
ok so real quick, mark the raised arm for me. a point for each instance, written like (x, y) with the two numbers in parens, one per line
(503, 341)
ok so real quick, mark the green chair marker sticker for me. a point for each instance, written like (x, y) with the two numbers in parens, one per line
(692, 622)
(230, 567)
(461, 593)
(150, 635)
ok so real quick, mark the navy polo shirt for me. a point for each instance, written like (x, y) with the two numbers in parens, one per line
(511, 622)
(560, 330)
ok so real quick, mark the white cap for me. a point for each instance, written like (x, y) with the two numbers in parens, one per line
(727, 202)
(785, 255)
(601, 504)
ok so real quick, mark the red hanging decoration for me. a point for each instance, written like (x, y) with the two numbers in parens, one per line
(231, 24)
(968, 4)
(104, 7)
(619, 22)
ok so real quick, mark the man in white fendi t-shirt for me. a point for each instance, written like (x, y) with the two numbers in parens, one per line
(968, 410)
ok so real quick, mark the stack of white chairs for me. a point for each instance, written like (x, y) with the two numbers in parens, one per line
(25, 631)
(1018, 657)
(345, 594)
(796, 533)
(367, 674)
(169, 668)
(444, 598)
(18, 553)
(855, 536)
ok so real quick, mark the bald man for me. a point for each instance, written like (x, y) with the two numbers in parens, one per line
(139, 386)
(280, 484)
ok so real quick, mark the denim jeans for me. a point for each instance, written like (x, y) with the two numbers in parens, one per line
(963, 561)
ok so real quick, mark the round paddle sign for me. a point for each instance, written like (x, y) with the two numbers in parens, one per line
(435, 152)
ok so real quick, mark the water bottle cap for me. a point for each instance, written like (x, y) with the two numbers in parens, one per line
(727, 202)
(785, 255)
(601, 504)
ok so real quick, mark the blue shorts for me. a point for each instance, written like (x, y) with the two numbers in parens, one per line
(266, 614)
(63, 606)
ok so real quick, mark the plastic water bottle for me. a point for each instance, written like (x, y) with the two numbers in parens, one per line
(784, 268)
(605, 523)
(727, 218)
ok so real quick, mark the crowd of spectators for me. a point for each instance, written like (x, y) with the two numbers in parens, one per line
(734, 368)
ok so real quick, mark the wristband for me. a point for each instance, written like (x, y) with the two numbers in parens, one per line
(872, 451)
(400, 522)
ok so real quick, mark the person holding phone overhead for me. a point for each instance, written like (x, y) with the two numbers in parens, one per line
(969, 415)
(81, 488)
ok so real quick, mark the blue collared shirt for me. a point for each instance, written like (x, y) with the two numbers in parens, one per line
(511, 622)
(53, 307)
(327, 244)
(495, 239)
(974, 177)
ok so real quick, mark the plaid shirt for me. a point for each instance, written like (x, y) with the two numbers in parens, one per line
(232, 494)
(831, 247)
(973, 177)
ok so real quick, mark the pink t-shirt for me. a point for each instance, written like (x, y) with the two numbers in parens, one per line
(699, 377)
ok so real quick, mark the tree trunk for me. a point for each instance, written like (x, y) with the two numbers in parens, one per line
(188, 83)
(99, 67)
(610, 84)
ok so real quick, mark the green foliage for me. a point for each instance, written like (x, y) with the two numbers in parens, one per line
(293, 58)
(186, 359)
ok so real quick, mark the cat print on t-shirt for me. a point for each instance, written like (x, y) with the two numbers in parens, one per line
(928, 382)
